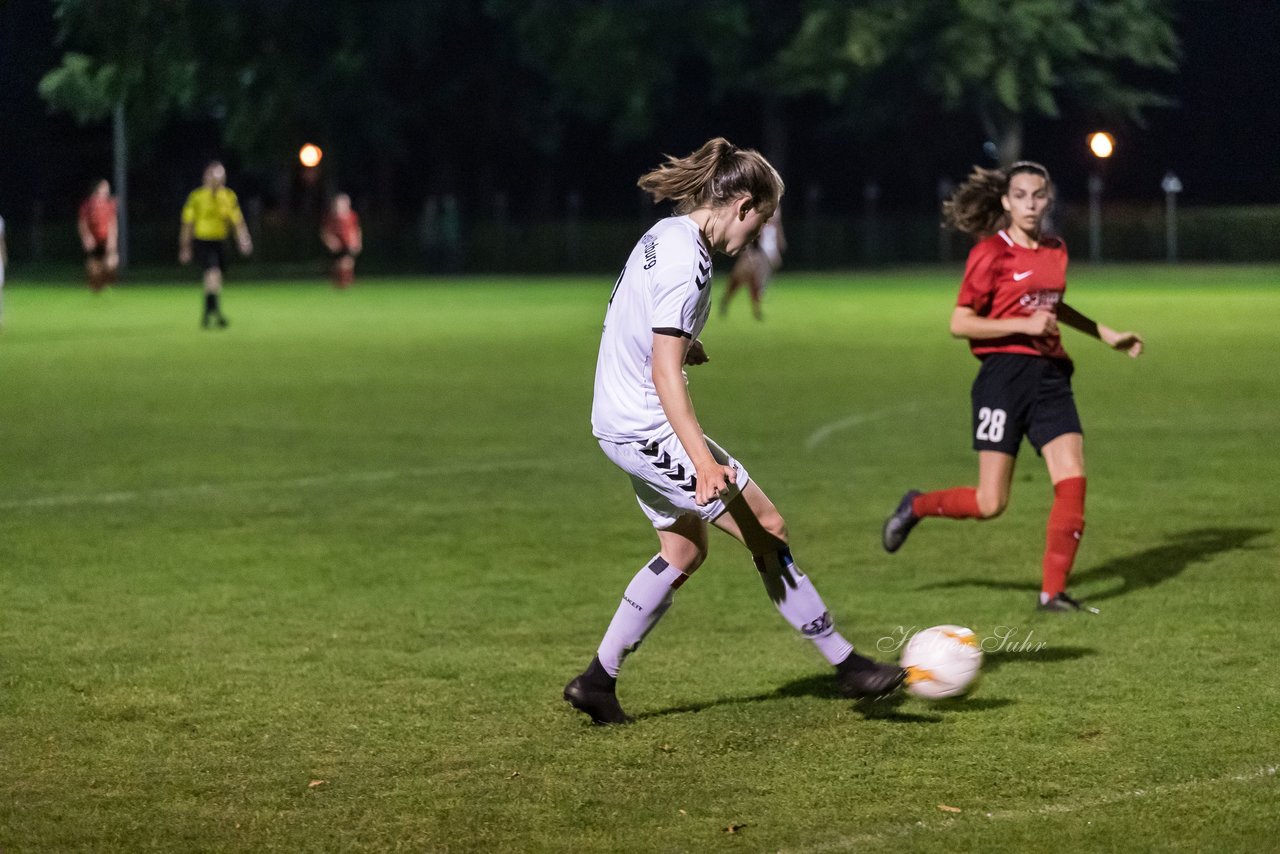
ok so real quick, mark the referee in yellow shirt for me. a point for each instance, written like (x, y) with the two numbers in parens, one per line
(211, 211)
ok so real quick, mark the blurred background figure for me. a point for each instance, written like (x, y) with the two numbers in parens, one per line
(98, 225)
(343, 238)
(211, 211)
(756, 265)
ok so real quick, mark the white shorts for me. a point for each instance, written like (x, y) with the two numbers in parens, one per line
(663, 478)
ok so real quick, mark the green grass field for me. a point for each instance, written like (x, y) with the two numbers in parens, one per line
(315, 583)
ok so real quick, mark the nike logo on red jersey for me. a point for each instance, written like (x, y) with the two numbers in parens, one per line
(1018, 277)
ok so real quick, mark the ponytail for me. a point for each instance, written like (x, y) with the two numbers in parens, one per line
(713, 176)
(975, 206)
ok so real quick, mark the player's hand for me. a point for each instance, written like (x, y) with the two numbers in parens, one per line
(1040, 323)
(714, 481)
(87, 243)
(1125, 342)
(184, 254)
(246, 246)
(112, 260)
(696, 354)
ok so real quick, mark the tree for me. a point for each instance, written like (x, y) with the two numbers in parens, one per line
(638, 67)
(1000, 62)
(131, 60)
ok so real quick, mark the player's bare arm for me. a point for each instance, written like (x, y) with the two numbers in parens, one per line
(1125, 342)
(113, 244)
(242, 238)
(669, 352)
(967, 323)
(184, 244)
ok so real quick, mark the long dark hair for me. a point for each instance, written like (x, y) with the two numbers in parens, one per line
(715, 175)
(975, 207)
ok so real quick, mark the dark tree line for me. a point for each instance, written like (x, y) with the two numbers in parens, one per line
(460, 96)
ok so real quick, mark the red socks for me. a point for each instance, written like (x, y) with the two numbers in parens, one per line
(1062, 535)
(958, 503)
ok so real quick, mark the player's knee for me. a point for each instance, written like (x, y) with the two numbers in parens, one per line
(687, 558)
(991, 505)
(692, 561)
(773, 524)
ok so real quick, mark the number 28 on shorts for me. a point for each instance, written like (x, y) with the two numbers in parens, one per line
(990, 424)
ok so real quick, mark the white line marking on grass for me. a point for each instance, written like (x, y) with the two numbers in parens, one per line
(972, 816)
(216, 489)
(827, 430)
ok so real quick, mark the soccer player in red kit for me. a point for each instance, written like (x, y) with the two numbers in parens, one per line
(98, 226)
(343, 238)
(1010, 307)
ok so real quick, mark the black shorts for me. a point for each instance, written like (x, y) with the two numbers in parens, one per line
(1015, 396)
(340, 254)
(99, 250)
(209, 254)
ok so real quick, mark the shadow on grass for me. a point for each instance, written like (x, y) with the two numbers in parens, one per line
(1140, 570)
(824, 687)
(1049, 655)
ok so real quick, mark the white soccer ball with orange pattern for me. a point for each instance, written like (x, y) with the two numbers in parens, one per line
(941, 661)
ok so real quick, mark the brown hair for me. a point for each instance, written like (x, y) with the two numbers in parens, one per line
(975, 207)
(715, 175)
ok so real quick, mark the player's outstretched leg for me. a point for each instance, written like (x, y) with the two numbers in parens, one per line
(960, 502)
(647, 598)
(754, 520)
(800, 605)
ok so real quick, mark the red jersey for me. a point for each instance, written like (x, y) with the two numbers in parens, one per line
(98, 214)
(345, 227)
(1003, 280)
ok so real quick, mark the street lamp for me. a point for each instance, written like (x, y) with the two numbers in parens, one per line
(309, 155)
(1171, 186)
(1102, 145)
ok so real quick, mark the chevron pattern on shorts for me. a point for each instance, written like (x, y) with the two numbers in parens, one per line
(672, 470)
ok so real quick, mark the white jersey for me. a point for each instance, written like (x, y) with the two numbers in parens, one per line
(666, 287)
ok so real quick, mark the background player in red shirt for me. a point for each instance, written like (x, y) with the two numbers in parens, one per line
(1009, 309)
(343, 238)
(98, 226)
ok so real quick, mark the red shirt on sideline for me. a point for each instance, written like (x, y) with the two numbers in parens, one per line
(345, 227)
(98, 214)
(1004, 280)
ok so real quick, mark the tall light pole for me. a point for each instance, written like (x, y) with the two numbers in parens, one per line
(1102, 145)
(1171, 186)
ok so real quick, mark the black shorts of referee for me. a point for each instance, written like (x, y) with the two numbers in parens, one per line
(209, 254)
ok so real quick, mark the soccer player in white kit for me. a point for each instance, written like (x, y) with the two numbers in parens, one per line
(644, 419)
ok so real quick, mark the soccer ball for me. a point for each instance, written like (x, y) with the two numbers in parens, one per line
(942, 661)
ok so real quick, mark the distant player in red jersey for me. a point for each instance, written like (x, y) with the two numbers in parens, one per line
(98, 226)
(1009, 309)
(756, 266)
(343, 238)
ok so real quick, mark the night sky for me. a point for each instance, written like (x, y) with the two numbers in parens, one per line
(1221, 138)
